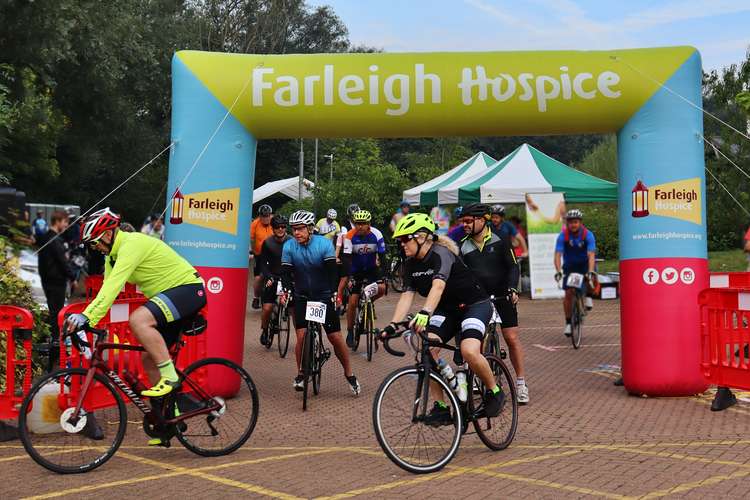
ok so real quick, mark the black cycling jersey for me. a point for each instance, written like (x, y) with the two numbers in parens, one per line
(440, 264)
(270, 257)
(494, 264)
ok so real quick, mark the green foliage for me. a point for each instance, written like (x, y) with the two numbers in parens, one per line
(16, 292)
(601, 160)
(360, 176)
(601, 218)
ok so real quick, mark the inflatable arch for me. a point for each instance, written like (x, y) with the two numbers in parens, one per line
(661, 168)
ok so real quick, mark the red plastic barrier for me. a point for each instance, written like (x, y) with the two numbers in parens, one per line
(729, 280)
(94, 284)
(16, 325)
(120, 360)
(725, 336)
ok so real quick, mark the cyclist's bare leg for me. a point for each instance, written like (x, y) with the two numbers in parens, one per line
(298, 348)
(143, 326)
(436, 390)
(342, 352)
(381, 291)
(515, 349)
(342, 284)
(265, 316)
(351, 310)
(472, 354)
(256, 286)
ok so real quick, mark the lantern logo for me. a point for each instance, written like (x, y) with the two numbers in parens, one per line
(178, 201)
(640, 199)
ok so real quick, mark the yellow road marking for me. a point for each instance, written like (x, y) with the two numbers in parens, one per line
(686, 458)
(682, 488)
(455, 471)
(179, 471)
(548, 484)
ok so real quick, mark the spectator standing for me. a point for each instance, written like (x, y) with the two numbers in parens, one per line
(403, 210)
(54, 268)
(154, 228)
(39, 225)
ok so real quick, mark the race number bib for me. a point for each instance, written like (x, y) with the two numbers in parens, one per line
(279, 288)
(316, 312)
(370, 290)
(575, 280)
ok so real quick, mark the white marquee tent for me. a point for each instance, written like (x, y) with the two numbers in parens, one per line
(288, 187)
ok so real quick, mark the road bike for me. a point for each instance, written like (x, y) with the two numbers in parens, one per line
(314, 353)
(365, 316)
(278, 326)
(402, 402)
(577, 281)
(395, 268)
(491, 343)
(81, 417)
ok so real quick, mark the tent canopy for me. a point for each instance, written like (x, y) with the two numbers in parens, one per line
(288, 187)
(427, 194)
(528, 170)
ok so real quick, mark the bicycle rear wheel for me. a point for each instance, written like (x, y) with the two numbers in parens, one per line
(495, 432)
(397, 416)
(318, 351)
(273, 325)
(283, 330)
(358, 327)
(576, 323)
(61, 445)
(228, 426)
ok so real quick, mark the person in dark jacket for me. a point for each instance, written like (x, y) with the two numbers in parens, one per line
(54, 268)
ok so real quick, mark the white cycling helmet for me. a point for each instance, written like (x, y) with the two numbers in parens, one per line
(301, 217)
(331, 214)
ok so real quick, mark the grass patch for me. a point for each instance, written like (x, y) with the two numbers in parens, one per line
(719, 261)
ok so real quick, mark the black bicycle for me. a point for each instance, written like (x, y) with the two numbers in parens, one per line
(81, 419)
(395, 268)
(491, 343)
(278, 325)
(364, 319)
(579, 282)
(314, 353)
(401, 404)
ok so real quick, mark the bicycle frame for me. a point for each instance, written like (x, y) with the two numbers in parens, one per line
(98, 364)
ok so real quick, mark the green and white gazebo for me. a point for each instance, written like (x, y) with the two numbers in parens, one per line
(427, 194)
(527, 170)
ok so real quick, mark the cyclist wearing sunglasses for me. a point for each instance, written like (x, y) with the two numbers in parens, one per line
(269, 262)
(456, 303)
(174, 289)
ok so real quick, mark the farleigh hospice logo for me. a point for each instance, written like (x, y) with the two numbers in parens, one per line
(217, 210)
(678, 200)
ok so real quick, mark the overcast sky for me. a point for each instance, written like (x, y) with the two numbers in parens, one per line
(720, 29)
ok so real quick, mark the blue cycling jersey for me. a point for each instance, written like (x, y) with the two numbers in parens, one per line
(575, 250)
(364, 249)
(310, 275)
(506, 229)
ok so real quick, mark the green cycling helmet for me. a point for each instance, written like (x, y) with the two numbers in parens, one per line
(414, 223)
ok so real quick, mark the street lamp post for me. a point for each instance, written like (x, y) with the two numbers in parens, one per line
(330, 157)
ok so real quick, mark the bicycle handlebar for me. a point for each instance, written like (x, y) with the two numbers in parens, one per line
(402, 327)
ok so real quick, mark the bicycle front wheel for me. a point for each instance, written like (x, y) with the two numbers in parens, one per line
(283, 331)
(370, 312)
(65, 445)
(397, 275)
(495, 432)
(230, 424)
(398, 416)
(576, 324)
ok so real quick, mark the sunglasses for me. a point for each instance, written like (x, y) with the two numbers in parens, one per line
(405, 239)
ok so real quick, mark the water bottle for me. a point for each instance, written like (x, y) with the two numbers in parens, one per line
(463, 388)
(447, 372)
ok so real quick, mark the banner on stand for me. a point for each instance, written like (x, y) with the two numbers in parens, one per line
(544, 216)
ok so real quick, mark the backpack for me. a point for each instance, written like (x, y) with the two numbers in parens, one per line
(566, 233)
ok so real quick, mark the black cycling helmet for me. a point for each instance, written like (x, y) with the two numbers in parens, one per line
(265, 210)
(404, 203)
(477, 210)
(278, 221)
(351, 209)
(498, 210)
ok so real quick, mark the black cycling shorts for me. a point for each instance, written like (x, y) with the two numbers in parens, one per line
(172, 306)
(470, 321)
(365, 278)
(256, 265)
(268, 295)
(332, 323)
(507, 311)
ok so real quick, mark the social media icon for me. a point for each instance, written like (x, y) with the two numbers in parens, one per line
(215, 285)
(650, 276)
(669, 275)
(687, 275)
